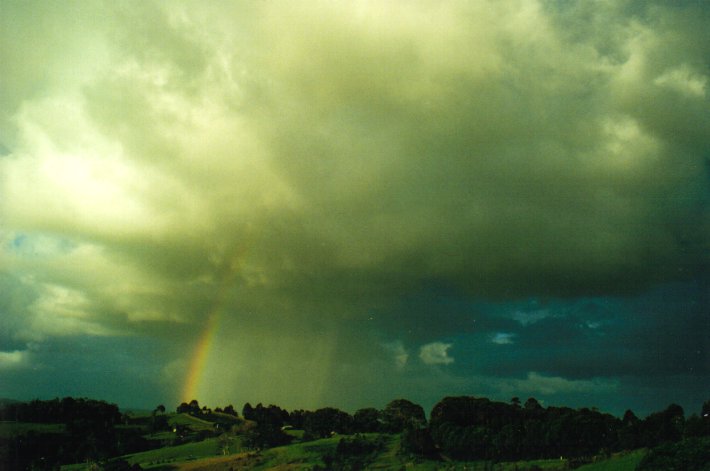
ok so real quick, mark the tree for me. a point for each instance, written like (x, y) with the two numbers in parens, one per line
(271, 414)
(266, 435)
(663, 427)
(323, 422)
(629, 431)
(692, 454)
(401, 414)
(699, 425)
(367, 420)
(418, 442)
(248, 411)
(532, 405)
(478, 428)
(159, 423)
(629, 418)
(225, 442)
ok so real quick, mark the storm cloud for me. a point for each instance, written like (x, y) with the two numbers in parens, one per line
(357, 190)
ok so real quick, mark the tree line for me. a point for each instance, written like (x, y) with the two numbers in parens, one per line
(87, 429)
(459, 428)
(62, 411)
(478, 428)
(471, 428)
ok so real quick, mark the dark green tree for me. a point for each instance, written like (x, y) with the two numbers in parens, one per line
(326, 421)
(401, 414)
(248, 412)
(367, 420)
(266, 435)
(663, 427)
(418, 442)
(532, 405)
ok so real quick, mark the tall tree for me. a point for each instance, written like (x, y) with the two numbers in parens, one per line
(401, 414)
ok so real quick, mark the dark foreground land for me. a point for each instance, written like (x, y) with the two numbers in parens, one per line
(463, 433)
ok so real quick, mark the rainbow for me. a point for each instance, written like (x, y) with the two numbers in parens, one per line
(205, 342)
(200, 355)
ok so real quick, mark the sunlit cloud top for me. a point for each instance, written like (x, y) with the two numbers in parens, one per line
(312, 164)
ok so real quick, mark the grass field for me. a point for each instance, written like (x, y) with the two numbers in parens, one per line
(181, 453)
(207, 456)
(222, 454)
(548, 465)
(188, 420)
(620, 462)
(171, 457)
(307, 455)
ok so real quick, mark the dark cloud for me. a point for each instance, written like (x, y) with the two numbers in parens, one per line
(500, 184)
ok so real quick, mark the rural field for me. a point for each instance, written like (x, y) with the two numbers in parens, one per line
(461, 433)
(208, 455)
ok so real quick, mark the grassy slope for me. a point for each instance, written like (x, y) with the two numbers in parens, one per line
(188, 452)
(194, 423)
(176, 454)
(619, 462)
(302, 456)
(207, 455)
(204, 456)
(166, 456)
(172, 456)
(548, 465)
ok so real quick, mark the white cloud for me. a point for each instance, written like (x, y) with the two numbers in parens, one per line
(526, 318)
(436, 353)
(536, 383)
(502, 338)
(400, 354)
(61, 310)
(13, 359)
(683, 80)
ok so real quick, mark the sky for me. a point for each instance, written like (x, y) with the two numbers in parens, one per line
(332, 203)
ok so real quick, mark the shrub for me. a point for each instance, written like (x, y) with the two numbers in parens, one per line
(692, 454)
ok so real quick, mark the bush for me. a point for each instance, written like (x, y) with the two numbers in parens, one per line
(418, 442)
(266, 436)
(354, 453)
(359, 445)
(692, 454)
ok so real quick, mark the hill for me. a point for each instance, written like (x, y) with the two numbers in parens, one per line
(327, 454)
(462, 433)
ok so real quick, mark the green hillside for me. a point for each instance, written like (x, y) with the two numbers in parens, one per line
(619, 462)
(462, 433)
(176, 454)
(323, 454)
